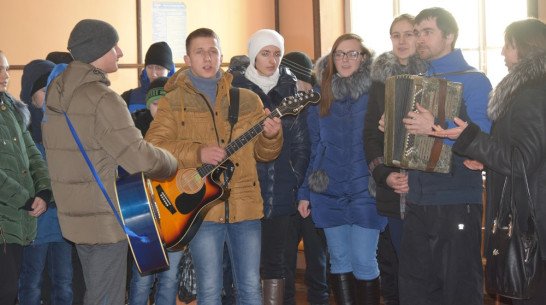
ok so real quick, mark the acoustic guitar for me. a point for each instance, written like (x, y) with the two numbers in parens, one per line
(182, 202)
(142, 218)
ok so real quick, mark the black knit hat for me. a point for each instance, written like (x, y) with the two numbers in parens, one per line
(34, 78)
(160, 54)
(91, 39)
(155, 90)
(59, 57)
(300, 64)
(238, 61)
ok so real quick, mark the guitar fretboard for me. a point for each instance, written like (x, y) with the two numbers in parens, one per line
(289, 105)
(238, 143)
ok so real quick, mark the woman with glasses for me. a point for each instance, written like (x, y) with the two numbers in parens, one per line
(336, 183)
(391, 184)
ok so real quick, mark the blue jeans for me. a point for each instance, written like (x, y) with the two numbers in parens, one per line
(167, 283)
(353, 249)
(243, 240)
(59, 269)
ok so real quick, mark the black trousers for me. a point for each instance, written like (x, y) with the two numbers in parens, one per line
(316, 260)
(440, 260)
(387, 260)
(274, 246)
(11, 258)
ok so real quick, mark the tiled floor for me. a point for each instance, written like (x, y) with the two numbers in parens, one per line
(301, 294)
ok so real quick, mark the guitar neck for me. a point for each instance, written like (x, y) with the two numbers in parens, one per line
(239, 143)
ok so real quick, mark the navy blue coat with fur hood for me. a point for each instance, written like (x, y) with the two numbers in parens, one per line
(280, 179)
(337, 149)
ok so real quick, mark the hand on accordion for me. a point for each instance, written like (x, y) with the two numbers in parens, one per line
(382, 123)
(452, 133)
(420, 121)
(398, 182)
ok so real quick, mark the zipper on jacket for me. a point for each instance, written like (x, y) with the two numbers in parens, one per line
(226, 203)
(3, 240)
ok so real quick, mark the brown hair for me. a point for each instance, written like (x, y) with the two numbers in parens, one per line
(444, 21)
(528, 36)
(404, 17)
(201, 32)
(330, 70)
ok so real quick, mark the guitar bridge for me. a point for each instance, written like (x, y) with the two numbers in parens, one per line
(165, 199)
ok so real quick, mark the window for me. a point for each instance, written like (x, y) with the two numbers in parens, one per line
(481, 26)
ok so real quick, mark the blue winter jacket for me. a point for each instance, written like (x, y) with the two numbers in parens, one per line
(337, 148)
(136, 98)
(280, 179)
(461, 185)
(49, 229)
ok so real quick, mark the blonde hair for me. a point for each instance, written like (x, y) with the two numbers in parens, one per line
(404, 17)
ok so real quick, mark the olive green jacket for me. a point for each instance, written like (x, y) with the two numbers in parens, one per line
(23, 172)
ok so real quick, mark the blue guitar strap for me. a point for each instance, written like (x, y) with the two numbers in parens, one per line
(127, 231)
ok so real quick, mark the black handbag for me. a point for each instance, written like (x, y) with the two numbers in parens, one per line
(514, 262)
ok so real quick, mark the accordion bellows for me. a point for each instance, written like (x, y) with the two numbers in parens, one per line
(421, 152)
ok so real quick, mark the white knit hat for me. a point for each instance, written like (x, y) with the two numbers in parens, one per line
(261, 39)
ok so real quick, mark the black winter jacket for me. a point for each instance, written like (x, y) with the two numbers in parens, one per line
(386, 65)
(518, 109)
(280, 179)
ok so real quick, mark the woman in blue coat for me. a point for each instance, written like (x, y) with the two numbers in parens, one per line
(336, 184)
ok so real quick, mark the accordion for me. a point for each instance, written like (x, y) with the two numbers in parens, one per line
(421, 152)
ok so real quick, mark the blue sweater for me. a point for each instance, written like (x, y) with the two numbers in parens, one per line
(461, 185)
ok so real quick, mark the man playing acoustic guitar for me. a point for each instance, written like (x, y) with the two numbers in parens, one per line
(192, 123)
(107, 134)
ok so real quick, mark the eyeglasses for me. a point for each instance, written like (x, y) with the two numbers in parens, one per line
(351, 55)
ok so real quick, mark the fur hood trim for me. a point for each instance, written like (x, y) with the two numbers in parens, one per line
(387, 65)
(526, 71)
(320, 65)
(21, 108)
(353, 86)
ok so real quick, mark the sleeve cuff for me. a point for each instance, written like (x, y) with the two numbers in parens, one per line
(45, 195)
(467, 136)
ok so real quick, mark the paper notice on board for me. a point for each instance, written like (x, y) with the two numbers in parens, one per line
(169, 24)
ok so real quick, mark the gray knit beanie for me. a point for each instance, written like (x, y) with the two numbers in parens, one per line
(91, 39)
